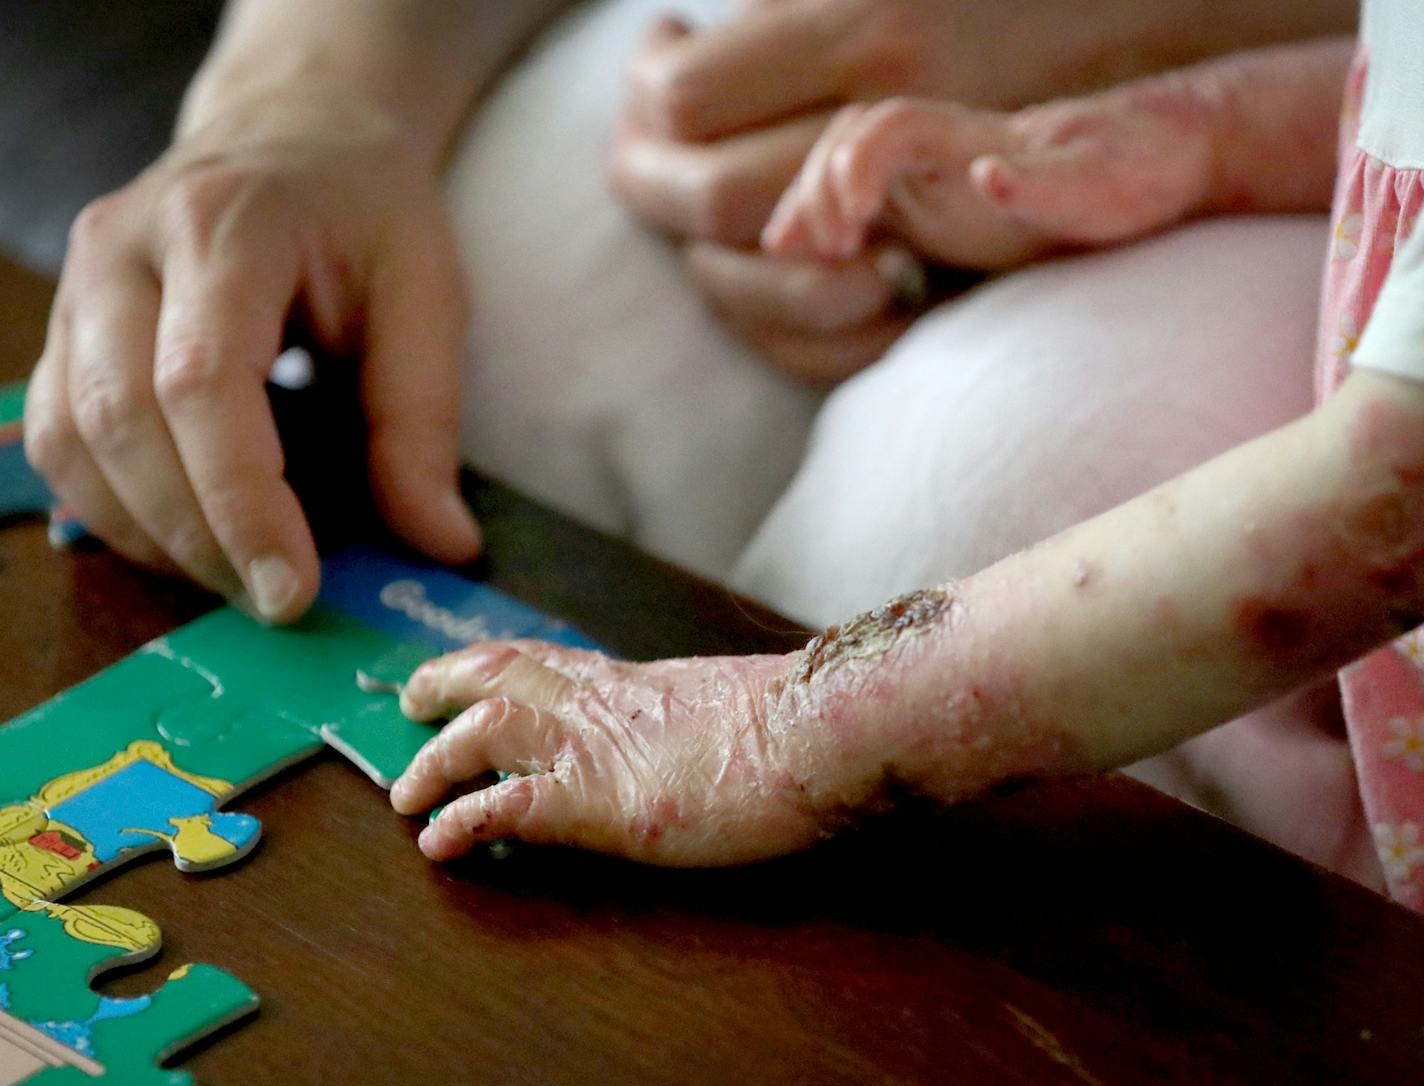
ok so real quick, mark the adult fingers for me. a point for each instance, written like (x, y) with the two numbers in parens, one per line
(768, 63)
(822, 360)
(799, 294)
(498, 734)
(54, 447)
(539, 809)
(410, 386)
(227, 289)
(111, 390)
(722, 191)
(449, 683)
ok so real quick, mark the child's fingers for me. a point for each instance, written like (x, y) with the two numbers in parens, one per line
(449, 683)
(538, 809)
(579, 665)
(878, 146)
(497, 734)
(809, 220)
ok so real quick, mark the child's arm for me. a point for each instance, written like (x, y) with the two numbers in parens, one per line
(1253, 131)
(1260, 571)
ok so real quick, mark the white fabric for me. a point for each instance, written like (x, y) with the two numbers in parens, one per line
(1392, 123)
(1393, 340)
(1038, 400)
(597, 380)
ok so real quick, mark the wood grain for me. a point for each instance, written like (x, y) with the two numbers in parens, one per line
(1084, 932)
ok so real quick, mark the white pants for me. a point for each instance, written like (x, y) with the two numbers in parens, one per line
(598, 381)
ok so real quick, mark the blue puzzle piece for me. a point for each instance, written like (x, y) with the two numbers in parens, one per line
(21, 490)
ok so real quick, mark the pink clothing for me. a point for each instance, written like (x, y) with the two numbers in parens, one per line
(1375, 208)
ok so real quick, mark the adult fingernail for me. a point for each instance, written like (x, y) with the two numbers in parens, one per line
(904, 275)
(273, 583)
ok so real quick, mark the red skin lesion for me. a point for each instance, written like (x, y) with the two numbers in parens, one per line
(1354, 571)
(1273, 629)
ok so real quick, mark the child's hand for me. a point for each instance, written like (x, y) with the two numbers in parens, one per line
(982, 189)
(679, 762)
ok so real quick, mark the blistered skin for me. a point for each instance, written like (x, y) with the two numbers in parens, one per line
(991, 189)
(700, 761)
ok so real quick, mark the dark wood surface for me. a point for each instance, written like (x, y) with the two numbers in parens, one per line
(1083, 932)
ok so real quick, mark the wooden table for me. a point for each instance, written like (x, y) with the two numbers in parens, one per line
(1084, 932)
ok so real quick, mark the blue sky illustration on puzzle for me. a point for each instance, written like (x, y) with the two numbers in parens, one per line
(143, 796)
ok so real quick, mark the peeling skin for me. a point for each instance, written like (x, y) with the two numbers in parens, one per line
(876, 632)
(906, 694)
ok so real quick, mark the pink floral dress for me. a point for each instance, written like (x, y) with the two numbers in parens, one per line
(1375, 209)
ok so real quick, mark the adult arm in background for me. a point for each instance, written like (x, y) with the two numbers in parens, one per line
(719, 120)
(302, 182)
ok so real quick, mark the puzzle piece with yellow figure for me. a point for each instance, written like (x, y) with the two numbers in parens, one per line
(144, 756)
(139, 785)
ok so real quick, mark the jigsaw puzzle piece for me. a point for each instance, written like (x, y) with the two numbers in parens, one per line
(160, 751)
(21, 490)
(55, 1029)
(309, 670)
(430, 610)
(86, 724)
(378, 616)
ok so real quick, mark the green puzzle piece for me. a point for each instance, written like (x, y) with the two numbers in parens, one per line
(12, 402)
(310, 670)
(55, 1029)
(96, 779)
(143, 754)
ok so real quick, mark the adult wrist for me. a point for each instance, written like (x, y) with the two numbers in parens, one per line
(299, 100)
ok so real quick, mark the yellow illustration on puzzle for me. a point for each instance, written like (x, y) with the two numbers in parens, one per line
(79, 823)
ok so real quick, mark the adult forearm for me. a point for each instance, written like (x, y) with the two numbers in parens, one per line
(412, 67)
(1108, 41)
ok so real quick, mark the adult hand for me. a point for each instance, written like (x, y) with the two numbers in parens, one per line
(718, 122)
(147, 414)
(817, 321)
